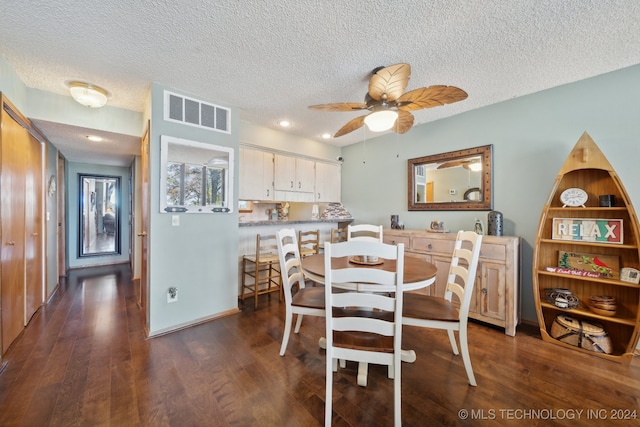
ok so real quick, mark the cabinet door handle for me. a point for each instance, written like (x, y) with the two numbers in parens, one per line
(318, 196)
(430, 246)
(11, 243)
(142, 234)
(291, 184)
(484, 291)
(267, 192)
(299, 184)
(34, 234)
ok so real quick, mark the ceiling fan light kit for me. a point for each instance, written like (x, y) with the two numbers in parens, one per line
(87, 94)
(389, 105)
(380, 121)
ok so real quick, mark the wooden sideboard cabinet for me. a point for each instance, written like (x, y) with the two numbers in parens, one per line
(497, 296)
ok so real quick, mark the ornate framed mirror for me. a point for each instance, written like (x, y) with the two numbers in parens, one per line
(457, 180)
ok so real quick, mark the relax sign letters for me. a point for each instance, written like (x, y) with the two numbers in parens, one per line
(588, 230)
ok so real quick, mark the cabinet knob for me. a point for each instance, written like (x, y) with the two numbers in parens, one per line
(484, 291)
(430, 246)
(142, 234)
(11, 243)
(34, 234)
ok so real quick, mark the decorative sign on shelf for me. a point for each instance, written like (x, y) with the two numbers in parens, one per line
(588, 230)
(573, 272)
(606, 266)
(630, 275)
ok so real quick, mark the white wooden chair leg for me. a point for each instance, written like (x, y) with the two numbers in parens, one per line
(343, 363)
(298, 323)
(397, 405)
(390, 372)
(328, 393)
(465, 357)
(452, 340)
(334, 364)
(363, 367)
(287, 332)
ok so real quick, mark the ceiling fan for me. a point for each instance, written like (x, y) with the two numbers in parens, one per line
(472, 163)
(388, 105)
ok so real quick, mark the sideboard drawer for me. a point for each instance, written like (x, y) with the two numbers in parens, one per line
(492, 251)
(425, 244)
(394, 240)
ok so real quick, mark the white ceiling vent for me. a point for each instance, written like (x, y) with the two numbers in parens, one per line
(192, 112)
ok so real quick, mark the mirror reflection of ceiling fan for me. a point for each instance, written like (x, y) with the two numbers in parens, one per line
(473, 164)
(388, 105)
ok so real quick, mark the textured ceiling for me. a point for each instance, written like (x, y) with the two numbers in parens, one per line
(272, 59)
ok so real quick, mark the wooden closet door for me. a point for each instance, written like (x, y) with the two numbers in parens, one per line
(12, 192)
(33, 226)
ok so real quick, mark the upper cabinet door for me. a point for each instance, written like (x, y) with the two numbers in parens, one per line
(327, 182)
(305, 175)
(285, 173)
(256, 175)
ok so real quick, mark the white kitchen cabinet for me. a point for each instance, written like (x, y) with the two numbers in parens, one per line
(256, 175)
(327, 179)
(294, 174)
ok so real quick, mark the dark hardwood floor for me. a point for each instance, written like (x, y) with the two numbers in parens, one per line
(84, 361)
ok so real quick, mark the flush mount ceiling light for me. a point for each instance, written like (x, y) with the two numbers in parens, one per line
(382, 120)
(88, 94)
(94, 138)
(284, 123)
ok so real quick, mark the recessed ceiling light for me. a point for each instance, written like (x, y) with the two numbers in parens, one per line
(326, 135)
(94, 138)
(285, 123)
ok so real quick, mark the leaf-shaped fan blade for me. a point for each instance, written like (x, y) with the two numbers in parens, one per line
(404, 122)
(351, 126)
(432, 96)
(452, 164)
(340, 106)
(391, 81)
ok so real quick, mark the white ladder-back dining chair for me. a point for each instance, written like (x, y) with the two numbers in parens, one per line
(298, 298)
(365, 327)
(365, 232)
(444, 313)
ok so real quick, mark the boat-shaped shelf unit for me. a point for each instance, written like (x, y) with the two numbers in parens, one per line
(561, 246)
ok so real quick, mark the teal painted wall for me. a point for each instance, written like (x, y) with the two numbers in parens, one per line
(531, 136)
(11, 86)
(200, 256)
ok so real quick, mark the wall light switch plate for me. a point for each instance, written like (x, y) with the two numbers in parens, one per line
(175, 220)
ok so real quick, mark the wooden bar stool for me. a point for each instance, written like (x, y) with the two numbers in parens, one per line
(264, 268)
(338, 235)
(308, 242)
